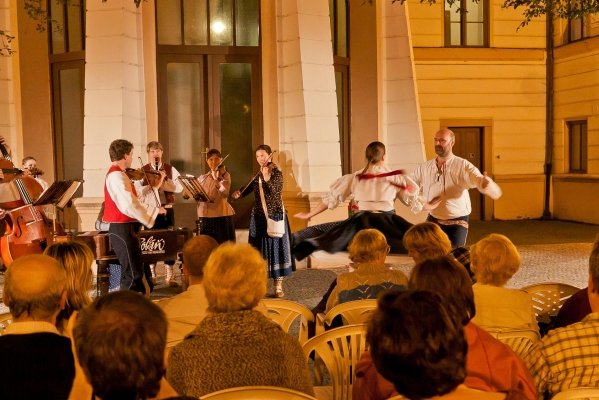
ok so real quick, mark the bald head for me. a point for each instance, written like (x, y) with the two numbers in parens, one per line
(34, 287)
(444, 141)
(196, 252)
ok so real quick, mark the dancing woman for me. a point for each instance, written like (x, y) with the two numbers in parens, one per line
(216, 219)
(276, 251)
(375, 189)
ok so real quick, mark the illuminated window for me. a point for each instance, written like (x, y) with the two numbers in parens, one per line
(466, 23)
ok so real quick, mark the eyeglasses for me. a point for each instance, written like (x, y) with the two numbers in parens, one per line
(439, 173)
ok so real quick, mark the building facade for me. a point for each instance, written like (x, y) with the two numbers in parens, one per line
(317, 80)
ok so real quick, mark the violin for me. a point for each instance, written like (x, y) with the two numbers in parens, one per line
(140, 173)
(269, 164)
(10, 172)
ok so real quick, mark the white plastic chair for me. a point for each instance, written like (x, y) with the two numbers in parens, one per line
(548, 297)
(284, 312)
(5, 320)
(352, 312)
(340, 350)
(519, 340)
(578, 393)
(257, 393)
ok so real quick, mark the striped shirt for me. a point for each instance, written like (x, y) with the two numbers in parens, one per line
(566, 358)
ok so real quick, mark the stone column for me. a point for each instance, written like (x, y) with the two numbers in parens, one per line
(309, 129)
(8, 124)
(114, 92)
(402, 123)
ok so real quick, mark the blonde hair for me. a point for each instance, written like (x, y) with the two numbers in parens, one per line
(494, 260)
(367, 246)
(234, 278)
(426, 240)
(77, 259)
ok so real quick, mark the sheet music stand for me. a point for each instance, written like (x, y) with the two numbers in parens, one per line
(59, 194)
(193, 189)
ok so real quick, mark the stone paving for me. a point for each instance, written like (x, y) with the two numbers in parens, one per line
(551, 251)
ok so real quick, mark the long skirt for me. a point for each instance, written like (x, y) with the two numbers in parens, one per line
(276, 251)
(338, 237)
(220, 228)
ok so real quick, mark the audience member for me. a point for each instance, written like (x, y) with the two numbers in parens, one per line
(491, 365)
(37, 363)
(494, 261)
(120, 341)
(235, 345)
(417, 342)
(368, 251)
(185, 311)
(573, 310)
(567, 357)
(427, 240)
(77, 260)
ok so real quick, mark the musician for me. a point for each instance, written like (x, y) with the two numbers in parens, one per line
(166, 194)
(216, 219)
(125, 213)
(7, 192)
(29, 164)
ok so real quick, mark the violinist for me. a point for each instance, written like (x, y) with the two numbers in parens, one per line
(276, 251)
(165, 192)
(29, 164)
(216, 219)
(125, 213)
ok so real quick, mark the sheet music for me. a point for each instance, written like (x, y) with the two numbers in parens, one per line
(59, 193)
(193, 189)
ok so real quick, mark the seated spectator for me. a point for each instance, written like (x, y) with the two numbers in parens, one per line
(494, 261)
(491, 365)
(368, 251)
(426, 240)
(431, 360)
(77, 260)
(120, 340)
(235, 345)
(566, 358)
(37, 363)
(185, 311)
(573, 310)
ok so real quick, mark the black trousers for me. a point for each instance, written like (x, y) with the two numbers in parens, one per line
(124, 238)
(457, 233)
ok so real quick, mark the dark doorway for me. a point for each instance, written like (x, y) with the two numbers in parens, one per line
(469, 145)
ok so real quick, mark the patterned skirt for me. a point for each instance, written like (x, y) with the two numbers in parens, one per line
(220, 228)
(276, 251)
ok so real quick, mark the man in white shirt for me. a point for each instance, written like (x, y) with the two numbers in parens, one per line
(445, 181)
(185, 311)
(37, 362)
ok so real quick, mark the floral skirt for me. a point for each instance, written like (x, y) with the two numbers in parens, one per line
(220, 228)
(276, 251)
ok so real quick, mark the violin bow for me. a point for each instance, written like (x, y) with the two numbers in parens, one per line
(222, 162)
(147, 180)
(256, 174)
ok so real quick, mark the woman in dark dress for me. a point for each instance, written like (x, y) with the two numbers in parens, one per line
(276, 251)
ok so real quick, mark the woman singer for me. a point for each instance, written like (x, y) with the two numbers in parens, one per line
(275, 250)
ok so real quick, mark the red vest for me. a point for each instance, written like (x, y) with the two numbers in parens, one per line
(111, 211)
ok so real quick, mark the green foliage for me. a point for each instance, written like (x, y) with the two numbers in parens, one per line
(5, 49)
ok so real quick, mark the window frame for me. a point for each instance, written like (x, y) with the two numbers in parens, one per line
(463, 5)
(583, 149)
(584, 20)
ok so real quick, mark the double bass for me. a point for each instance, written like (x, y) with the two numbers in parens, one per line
(28, 230)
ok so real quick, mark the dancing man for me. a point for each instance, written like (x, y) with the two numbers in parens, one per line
(125, 213)
(445, 181)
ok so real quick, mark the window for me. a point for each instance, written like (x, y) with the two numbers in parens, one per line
(579, 29)
(67, 31)
(466, 23)
(578, 146)
(339, 15)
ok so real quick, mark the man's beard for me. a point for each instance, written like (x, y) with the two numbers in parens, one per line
(441, 151)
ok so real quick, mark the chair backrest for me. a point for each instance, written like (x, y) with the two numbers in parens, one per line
(5, 320)
(257, 393)
(284, 312)
(339, 349)
(578, 393)
(547, 298)
(519, 340)
(353, 312)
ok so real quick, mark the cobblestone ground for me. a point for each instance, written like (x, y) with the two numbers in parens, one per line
(551, 251)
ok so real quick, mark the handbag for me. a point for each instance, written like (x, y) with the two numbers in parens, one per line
(274, 229)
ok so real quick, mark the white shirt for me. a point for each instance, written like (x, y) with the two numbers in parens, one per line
(451, 183)
(186, 310)
(377, 194)
(119, 189)
(171, 185)
(20, 328)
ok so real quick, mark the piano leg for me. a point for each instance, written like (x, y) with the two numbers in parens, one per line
(103, 277)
